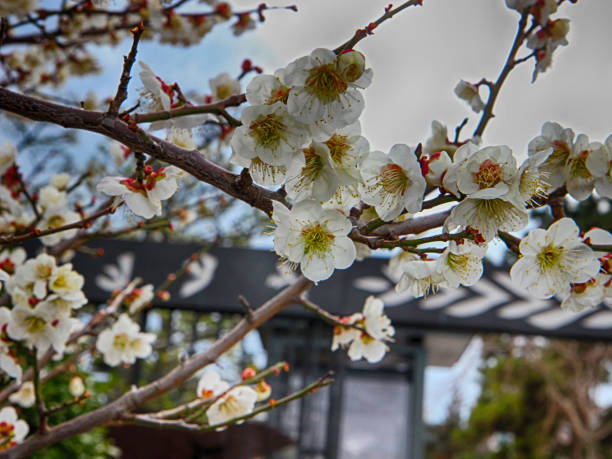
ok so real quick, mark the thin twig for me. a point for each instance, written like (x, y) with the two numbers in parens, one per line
(128, 61)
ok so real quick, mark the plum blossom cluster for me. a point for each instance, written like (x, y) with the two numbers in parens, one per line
(43, 296)
(365, 333)
(123, 342)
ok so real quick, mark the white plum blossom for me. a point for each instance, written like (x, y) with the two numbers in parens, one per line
(261, 172)
(579, 180)
(40, 327)
(55, 218)
(60, 181)
(19, 8)
(224, 86)
(267, 90)
(561, 140)
(269, 133)
(211, 385)
(51, 198)
(237, 402)
(155, 91)
(469, 92)
(144, 197)
(38, 271)
(347, 149)
(393, 182)
(553, 259)
(585, 295)
(367, 341)
(599, 164)
(461, 264)
(314, 237)
(8, 360)
(25, 396)
(487, 173)
(124, 342)
(533, 180)
(312, 174)
(420, 277)
(322, 92)
(181, 138)
(12, 429)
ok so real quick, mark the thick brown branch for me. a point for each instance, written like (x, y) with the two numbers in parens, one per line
(191, 161)
(412, 226)
(137, 396)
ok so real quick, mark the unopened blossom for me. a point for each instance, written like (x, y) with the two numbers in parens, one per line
(243, 23)
(321, 90)
(469, 92)
(76, 387)
(561, 140)
(144, 197)
(434, 166)
(8, 361)
(519, 5)
(8, 153)
(211, 385)
(139, 298)
(421, 278)
(599, 164)
(312, 174)
(224, 86)
(393, 183)
(270, 133)
(553, 259)
(314, 237)
(124, 342)
(12, 429)
(25, 396)
(351, 64)
(237, 402)
(461, 264)
(40, 327)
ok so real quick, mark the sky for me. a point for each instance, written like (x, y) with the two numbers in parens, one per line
(417, 58)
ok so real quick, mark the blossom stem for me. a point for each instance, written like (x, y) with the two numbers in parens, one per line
(511, 62)
(128, 62)
(360, 34)
(326, 316)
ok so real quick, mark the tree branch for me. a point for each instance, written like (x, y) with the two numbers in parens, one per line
(137, 396)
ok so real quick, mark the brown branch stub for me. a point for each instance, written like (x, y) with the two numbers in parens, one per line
(128, 62)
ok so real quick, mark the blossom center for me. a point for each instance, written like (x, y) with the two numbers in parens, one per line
(338, 147)
(549, 257)
(35, 324)
(268, 131)
(223, 91)
(489, 174)
(325, 83)
(317, 239)
(280, 95)
(230, 406)
(578, 167)
(394, 180)
(121, 341)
